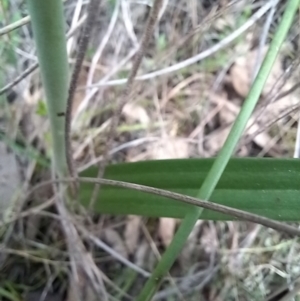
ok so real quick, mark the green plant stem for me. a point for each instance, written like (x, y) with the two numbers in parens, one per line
(49, 33)
(219, 165)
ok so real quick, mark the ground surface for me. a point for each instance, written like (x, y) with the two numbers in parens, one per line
(192, 83)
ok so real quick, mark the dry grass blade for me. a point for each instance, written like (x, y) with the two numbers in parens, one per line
(129, 89)
(112, 252)
(31, 211)
(84, 271)
(7, 29)
(286, 93)
(19, 78)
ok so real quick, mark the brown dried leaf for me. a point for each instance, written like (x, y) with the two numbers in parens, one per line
(243, 69)
(134, 112)
(169, 148)
(209, 240)
(226, 21)
(132, 232)
(166, 230)
(228, 115)
(31, 94)
(241, 76)
(261, 139)
(216, 140)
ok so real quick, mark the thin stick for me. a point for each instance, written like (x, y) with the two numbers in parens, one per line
(129, 90)
(19, 78)
(83, 44)
(100, 244)
(289, 91)
(7, 29)
(240, 214)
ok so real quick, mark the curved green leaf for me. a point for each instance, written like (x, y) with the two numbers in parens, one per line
(268, 187)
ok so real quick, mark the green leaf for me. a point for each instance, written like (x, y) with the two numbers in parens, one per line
(268, 187)
(41, 109)
(48, 26)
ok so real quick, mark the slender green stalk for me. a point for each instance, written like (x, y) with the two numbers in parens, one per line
(49, 33)
(219, 165)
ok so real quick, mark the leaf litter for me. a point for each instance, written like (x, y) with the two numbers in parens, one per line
(179, 102)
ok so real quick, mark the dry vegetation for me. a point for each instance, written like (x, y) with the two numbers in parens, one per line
(191, 85)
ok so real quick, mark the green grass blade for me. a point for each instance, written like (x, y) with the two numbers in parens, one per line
(48, 27)
(268, 187)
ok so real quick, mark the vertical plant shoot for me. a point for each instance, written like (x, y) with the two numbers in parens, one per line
(49, 34)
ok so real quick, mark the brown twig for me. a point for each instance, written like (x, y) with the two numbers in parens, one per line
(128, 91)
(243, 215)
(83, 44)
(240, 214)
(19, 78)
(286, 113)
(289, 91)
(7, 29)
